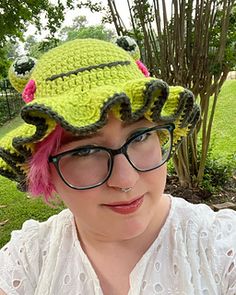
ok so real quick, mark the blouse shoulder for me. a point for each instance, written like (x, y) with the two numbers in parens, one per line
(203, 216)
(33, 231)
(22, 257)
(215, 233)
(222, 240)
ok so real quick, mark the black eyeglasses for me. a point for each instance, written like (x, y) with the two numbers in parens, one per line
(89, 166)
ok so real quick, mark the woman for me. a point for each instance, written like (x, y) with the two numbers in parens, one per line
(98, 134)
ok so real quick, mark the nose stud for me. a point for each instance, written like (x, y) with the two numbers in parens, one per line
(126, 190)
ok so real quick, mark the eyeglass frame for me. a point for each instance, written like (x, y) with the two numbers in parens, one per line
(112, 153)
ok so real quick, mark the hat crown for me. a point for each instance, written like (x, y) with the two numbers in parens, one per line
(81, 65)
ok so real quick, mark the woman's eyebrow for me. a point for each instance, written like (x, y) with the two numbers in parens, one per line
(98, 133)
(72, 138)
(126, 124)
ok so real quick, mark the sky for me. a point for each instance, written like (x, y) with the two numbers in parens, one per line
(93, 18)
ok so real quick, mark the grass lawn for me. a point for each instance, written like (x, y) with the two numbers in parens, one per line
(224, 131)
(10, 126)
(15, 207)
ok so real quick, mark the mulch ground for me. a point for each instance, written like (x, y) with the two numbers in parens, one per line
(200, 195)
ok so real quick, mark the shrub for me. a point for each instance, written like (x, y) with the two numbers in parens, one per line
(218, 171)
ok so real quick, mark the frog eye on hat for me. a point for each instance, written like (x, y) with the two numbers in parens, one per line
(20, 72)
(131, 46)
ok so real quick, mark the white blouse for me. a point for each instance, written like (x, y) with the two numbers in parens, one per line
(194, 254)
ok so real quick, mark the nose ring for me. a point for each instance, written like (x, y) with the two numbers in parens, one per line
(126, 190)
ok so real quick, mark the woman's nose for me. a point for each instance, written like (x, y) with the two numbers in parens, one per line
(123, 175)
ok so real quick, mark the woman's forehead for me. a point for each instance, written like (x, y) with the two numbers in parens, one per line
(113, 128)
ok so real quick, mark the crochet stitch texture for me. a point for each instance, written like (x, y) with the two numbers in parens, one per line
(76, 85)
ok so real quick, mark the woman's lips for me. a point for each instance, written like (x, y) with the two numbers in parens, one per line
(126, 207)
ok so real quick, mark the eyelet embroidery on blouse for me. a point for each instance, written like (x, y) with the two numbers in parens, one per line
(158, 288)
(144, 284)
(16, 283)
(82, 277)
(158, 248)
(67, 279)
(176, 270)
(203, 234)
(157, 266)
(230, 252)
(231, 267)
(229, 227)
(217, 278)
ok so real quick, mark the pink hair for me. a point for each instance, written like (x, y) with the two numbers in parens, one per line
(39, 175)
(143, 68)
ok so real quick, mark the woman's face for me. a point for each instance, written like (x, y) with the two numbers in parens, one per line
(105, 212)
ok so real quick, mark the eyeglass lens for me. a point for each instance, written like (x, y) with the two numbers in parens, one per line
(91, 166)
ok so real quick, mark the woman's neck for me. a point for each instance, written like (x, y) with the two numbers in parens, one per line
(137, 245)
(113, 261)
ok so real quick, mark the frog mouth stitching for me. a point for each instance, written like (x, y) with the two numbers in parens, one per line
(80, 70)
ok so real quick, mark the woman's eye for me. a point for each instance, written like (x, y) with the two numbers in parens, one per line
(142, 137)
(84, 153)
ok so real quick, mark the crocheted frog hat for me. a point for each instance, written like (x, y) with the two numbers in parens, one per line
(75, 85)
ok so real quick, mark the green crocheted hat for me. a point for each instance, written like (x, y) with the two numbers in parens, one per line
(76, 85)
